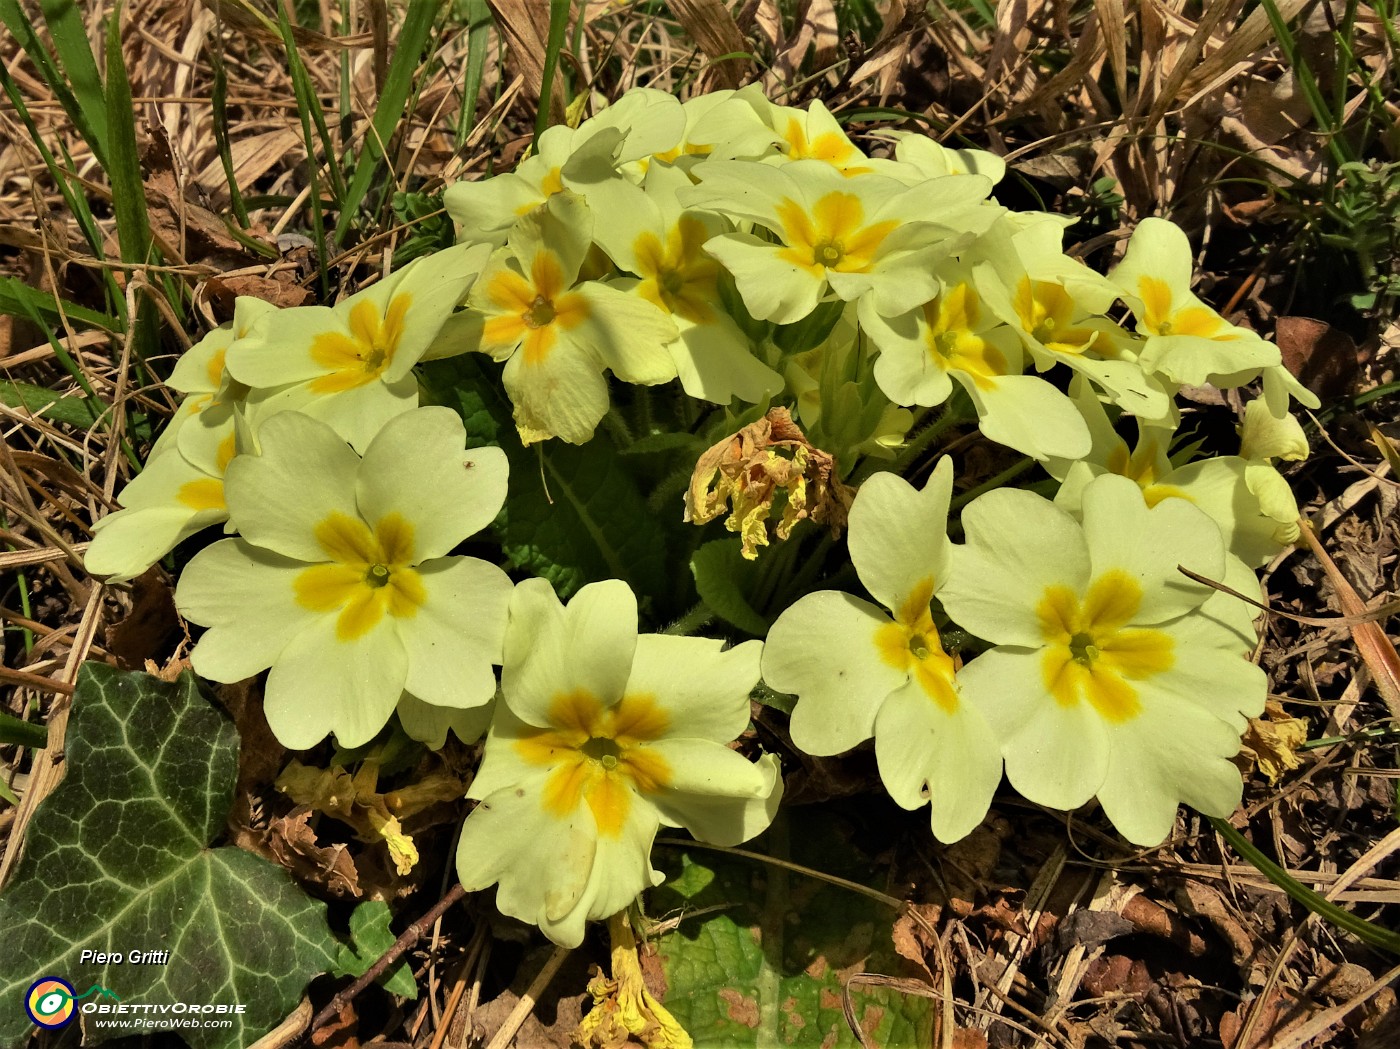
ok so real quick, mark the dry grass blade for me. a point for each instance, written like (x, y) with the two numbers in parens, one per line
(1371, 641)
(525, 25)
(711, 25)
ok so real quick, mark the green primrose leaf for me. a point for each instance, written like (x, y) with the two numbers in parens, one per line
(370, 937)
(118, 860)
(723, 580)
(575, 514)
(765, 966)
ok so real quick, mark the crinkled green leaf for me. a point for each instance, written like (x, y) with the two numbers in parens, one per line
(723, 580)
(766, 969)
(574, 514)
(118, 860)
(370, 937)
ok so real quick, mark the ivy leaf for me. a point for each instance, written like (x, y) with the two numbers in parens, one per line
(118, 861)
(370, 937)
(574, 514)
(763, 962)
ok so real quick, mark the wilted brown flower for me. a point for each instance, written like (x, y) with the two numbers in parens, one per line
(746, 472)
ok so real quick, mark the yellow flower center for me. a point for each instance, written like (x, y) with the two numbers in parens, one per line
(954, 344)
(1092, 654)
(1046, 312)
(1161, 319)
(678, 276)
(1141, 467)
(540, 313)
(834, 235)
(363, 355)
(368, 574)
(911, 645)
(598, 755)
(828, 146)
(530, 311)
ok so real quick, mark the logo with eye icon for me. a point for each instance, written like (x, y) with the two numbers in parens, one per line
(50, 1002)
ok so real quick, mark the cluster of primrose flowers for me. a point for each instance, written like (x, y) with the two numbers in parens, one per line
(752, 253)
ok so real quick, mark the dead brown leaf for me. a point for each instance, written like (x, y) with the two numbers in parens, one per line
(292, 844)
(710, 25)
(911, 936)
(1323, 358)
(145, 632)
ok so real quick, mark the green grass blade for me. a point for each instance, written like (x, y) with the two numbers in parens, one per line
(558, 27)
(399, 81)
(1327, 122)
(71, 411)
(1367, 932)
(219, 99)
(15, 20)
(124, 167)
(76, 61)
(22, 733)
(478, 19)
(307, 103)
(18, 299)
(309, 108)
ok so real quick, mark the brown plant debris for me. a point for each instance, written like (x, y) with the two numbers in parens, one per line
(769, 466)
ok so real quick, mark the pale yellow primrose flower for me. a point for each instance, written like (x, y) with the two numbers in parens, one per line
(814, 134)
(719, 125)
(556, 334)
(1114, 675)
(1270, 430)
(1056, 305)
(602, 737)
(1250, 501)
(857, 672)
(340, 581)
(953, 338)
(660, 242)
(925, 158)
(857, 237)
(200, 375)
(588, 160)
(1187, 341)
(351, 365)
(180, 491)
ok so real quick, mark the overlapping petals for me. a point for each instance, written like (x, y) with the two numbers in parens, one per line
(341, 581)
(603, 736)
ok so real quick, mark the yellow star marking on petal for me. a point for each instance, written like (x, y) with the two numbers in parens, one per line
(952, 342)
(678, 276)
(1045, 310)
(367, 574)
(531, 311)
(911, 644)
(1141, 467)
(1161, 319)
(207, 493)
(833, 236)
(1091, 654)
(366, 353)
(828, 146)
(214, 369)
(599, 755)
